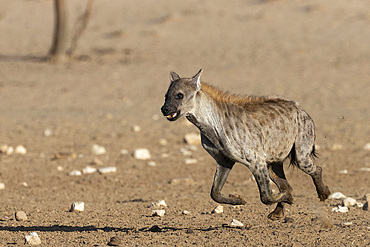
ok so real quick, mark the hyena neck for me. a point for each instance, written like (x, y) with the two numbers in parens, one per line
(205, 115)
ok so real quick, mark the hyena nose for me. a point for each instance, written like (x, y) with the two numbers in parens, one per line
(165, 110)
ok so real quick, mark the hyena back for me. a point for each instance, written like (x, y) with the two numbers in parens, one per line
(259, 132)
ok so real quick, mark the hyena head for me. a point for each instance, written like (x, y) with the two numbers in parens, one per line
(180, 96)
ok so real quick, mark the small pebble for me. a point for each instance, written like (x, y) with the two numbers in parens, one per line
(48, 132)
(185, 152)
(97, 161)
(60, 168)
(89, 170)
(3, 148)
(142, 154)
(337, 195)
(109, 169)
(340, 209)
(135, 128)
(218, 210)
(24, 184)
(77, 206)
(192, 138)
(2, 186)
(187, 180)
(236, 223)
(347, 223)
(75, 173)
(365, 169)
(336, 147)
(155, 117)
(10, 150)
(165, 155)
(98, 150)
(348, 202)
(343, 171)
(21, 216)
(123, 151)
(366, 206)
(359, 204)
(20, 150)
(33, 239)
(157, 204)
(163, 142)
(158, 212)
(115, 241)
(185, 212)
(190, 161)
(152, 163)
(367, 146)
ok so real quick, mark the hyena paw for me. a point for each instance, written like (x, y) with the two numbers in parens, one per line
(323, 193)
(284, 197)
(237, 200)
(276, 215)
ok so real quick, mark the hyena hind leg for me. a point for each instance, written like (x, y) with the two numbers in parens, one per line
(277, 175)
(305, 163)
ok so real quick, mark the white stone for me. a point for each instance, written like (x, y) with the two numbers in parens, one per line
(33, 239)
(142, 154)
(2, 186)
(123, 151)
(21, 216)
(186, 180)
(336, 147)
(343, 171)
(77, 206)
(337, 195)
(348, 202)
(163, 142)
(340, 209)
(218, 210)
(3, 148)
(89, 170)
(367, 146)
(10, 150)
(236, 223)
(151, 163)
(20, 150)
(185, 152)
(192, 138)
(48, 132)
(98, 150)
(165, 155)
(135, 128)
(349, 223)
(75, 173)
(190, 161)
(24, 184)
(60, 168)
(185, 212)
(158, 212)
(160, 203)
(365, 169)
(108, 169)
(359, 204)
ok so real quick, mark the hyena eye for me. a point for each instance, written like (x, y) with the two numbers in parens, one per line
(179, 96)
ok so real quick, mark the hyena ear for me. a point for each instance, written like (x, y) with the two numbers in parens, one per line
(196, 79)
(174, 76)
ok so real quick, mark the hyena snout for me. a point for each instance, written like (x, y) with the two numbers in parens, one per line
(170, 112)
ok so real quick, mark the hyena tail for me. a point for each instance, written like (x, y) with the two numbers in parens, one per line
(293, 155)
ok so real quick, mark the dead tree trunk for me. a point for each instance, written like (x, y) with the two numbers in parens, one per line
(80, 27)
(58, 49)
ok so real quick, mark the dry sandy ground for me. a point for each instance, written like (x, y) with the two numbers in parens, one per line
(315, 52)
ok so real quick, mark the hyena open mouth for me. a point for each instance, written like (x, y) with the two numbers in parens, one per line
(173, 116)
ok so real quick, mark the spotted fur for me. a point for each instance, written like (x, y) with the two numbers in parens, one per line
(259, 132)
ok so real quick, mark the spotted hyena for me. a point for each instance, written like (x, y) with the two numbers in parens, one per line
(259, 132)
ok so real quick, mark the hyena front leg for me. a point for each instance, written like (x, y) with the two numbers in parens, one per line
(277, 175)
(224, 166)
(261, 174)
